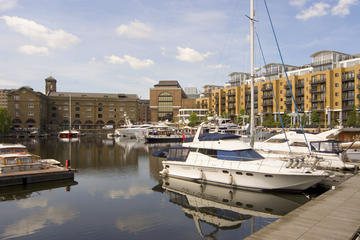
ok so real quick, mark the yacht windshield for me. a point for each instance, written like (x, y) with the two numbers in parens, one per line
(325, 146)
(276, 140)
(239, 155)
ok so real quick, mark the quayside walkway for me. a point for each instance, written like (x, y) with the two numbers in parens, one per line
(333, 215)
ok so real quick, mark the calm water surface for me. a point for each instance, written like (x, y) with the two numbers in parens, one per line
(118, 194)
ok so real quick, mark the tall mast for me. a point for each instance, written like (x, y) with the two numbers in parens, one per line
(70, 112)
(252, 115)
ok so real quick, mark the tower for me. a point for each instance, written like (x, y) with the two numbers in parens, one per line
(50, 85)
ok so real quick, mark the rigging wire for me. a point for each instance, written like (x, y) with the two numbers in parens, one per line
(287, 78)
(276, 102)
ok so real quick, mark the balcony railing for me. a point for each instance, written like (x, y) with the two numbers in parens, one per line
(347, 78)
(318, 81)
(321, 90)
(267, 96)
(347, 98)
(319, 63)
(317, 100)
(348, 88)
(347, 107)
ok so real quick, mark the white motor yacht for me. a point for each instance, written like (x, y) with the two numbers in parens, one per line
(326, 151)
(224, 159)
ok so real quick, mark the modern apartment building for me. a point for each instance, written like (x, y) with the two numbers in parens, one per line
(330, 85)
(55, 110)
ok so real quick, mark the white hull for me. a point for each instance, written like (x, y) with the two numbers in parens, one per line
(261, 174)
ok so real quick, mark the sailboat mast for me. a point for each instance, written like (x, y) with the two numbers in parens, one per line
(252, 115)
(70, 113)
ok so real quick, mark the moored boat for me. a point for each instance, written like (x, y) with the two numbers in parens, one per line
(226, 160)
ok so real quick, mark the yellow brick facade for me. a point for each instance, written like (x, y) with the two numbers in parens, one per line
(332, 93)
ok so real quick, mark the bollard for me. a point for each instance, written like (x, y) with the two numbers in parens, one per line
(66, 164)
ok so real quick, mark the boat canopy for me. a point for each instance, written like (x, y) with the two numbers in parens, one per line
(216, 136)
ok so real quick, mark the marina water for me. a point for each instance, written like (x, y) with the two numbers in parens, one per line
(118, 194)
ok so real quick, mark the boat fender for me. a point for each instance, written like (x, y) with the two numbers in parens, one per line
(301, 163)
(164, 172)
(295, 163)
(289, 163)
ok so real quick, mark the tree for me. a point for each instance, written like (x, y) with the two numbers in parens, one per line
(5, 121)
(315, 118)
(286, 119)
(193, 120)
(352, 120)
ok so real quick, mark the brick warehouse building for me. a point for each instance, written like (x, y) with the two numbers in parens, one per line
(166, 98)
(51, 111)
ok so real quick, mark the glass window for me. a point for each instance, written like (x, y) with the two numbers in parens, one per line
(239, 155)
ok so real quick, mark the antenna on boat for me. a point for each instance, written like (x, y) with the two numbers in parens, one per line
(252, 116)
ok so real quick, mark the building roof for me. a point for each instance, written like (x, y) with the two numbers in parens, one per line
(50, 78)
(323, 51)
(93, 95)
(168, 83)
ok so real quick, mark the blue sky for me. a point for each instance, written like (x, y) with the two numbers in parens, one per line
(127, 46)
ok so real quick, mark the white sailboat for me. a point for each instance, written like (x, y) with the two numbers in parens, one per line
(69, 135)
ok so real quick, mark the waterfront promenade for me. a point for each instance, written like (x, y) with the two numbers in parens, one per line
(333, 215)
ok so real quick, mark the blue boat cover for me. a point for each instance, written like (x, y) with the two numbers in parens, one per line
(216, 136)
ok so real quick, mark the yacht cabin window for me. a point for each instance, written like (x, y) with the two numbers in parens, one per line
(325, 146)
(276, 140)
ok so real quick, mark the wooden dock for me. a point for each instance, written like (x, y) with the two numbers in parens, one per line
(36, 176)
(333, 215)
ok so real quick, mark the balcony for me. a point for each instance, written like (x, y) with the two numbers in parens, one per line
(288, 94)
(288, 102)
(300, 85)
(315, 90)
(268, 104)
(299, 101)
(231, 100)
(265, 88)
(317, 100)
(318, 81)
(347, 107)
(231, 94)
(267, 96)
(319, 63)
(358, 76)
(299, 93)
(348, 98)
(347, 78)
(347, 88)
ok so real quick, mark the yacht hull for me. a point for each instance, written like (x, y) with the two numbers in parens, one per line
(242, 178)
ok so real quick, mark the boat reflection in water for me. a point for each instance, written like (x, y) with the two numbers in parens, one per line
(227, 208)
(26, 191)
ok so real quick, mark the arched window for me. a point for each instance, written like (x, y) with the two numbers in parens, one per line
(165, 109)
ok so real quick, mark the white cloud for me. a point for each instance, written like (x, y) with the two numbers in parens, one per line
(149, 80)
(297, 3)
(135, 29)
(163, 51)
(137, 63)
(37, 32)
(92, 60)
(114, 59)
(134, 62)
(132, 192)
(316, 10)
(7, 4)
(217, 66)
(33, 50)
(33, 202)
(33, 223)
(343, 7)
(191, 55)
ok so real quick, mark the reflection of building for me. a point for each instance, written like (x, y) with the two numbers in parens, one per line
(329, 86)
(30, 109)
(166, 98)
